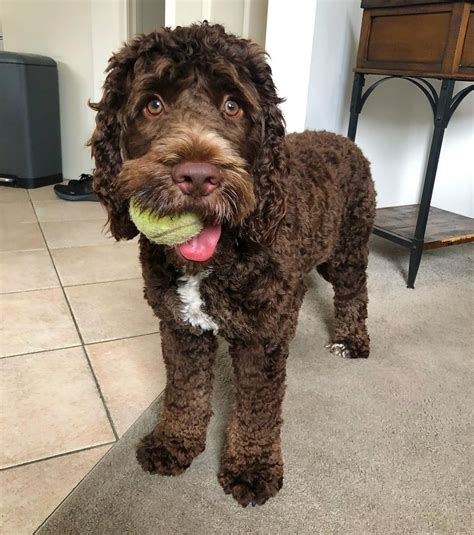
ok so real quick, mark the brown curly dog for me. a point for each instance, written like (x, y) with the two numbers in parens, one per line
(189, 122)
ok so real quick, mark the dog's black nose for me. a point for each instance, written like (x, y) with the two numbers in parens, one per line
(196, 178)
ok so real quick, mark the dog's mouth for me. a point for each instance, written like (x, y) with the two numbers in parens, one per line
(201, 247)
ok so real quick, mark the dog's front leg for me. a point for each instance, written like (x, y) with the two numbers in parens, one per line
(252, 465)
(181, 433)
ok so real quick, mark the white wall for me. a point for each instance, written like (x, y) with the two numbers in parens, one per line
(255, 20)
(289, 42)
(454, 190)
(109, 31)
(396, 123)
(334, 47)
(80, 36)
(146, 15)
(246, 18)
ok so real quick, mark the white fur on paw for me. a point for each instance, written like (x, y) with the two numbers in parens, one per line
(340, 350)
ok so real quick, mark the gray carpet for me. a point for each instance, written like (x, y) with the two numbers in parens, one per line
(371, 446)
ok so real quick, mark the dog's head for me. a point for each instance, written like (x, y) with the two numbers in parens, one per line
(189, 121)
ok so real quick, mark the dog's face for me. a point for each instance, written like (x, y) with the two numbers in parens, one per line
(189, 122)
(189, 142)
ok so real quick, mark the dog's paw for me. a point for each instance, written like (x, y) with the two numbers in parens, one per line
(340, 350)
(252, 485)
(349, 350)
(157, 457)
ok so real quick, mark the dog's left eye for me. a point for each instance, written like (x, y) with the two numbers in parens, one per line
(154, 107)
(231, 108)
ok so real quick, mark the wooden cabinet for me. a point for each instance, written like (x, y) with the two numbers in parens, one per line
(432, 38)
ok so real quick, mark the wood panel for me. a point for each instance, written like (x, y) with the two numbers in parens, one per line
(457, 35)
(464, 75)
(467, 57)
(370, 4)
(444, 228)
(409, 38)
(432, 39)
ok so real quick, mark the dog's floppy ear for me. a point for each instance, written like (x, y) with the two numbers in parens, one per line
(270, 168)
(105, 144)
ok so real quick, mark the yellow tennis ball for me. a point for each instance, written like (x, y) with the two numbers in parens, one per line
(165, 230)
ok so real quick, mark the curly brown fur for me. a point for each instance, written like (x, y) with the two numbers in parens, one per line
(181, 434)
(285, 205)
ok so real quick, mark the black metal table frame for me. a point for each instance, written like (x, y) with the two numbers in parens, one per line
(443, 106)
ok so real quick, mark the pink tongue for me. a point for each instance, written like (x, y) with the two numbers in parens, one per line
(201, 247)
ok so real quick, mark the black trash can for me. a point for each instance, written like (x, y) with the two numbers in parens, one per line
(30, 137)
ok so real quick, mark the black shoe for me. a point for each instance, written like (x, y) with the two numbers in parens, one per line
(77, 190)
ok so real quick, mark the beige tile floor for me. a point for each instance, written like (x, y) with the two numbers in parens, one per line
(80, 356)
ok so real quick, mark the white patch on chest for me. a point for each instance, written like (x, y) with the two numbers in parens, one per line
(189, 292)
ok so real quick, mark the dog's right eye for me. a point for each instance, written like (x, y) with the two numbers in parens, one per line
(231, 108)
(154, 107)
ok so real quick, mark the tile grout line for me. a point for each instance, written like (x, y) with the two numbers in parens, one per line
(122, 338)
(40, 351)
(64, 454)
(102, 282)
(79, 345)
(109, 415)
(99, 390)
(68, 285)
(30, 289)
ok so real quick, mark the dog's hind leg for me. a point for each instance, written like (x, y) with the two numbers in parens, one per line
(346, 270)
(181, 432)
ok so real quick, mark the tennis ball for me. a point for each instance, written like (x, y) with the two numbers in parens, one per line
(165, 230)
